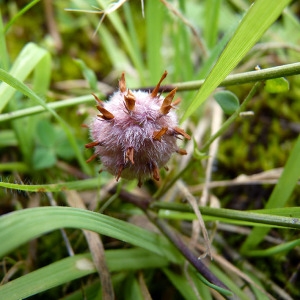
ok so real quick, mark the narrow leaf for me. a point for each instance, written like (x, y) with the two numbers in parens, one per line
(257, 20)
(280, 195)
(21, 226)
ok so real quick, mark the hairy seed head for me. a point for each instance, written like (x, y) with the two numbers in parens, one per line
(136, 132)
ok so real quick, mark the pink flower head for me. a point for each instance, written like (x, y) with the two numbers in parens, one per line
(136, 132)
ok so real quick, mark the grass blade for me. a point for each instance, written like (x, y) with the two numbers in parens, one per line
(78, 266)
(280, 194)
(21, 226)
(25, 63)
(256, 21)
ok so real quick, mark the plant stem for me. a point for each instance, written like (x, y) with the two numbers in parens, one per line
(231, 119)
(265, 74)
(206, 146)
(241, 78)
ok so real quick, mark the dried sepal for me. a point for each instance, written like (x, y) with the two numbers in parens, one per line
(129, 100)
(106, 115)
(155, 172)
(157, 135)
(166, 105)
(122, 83)
(129, 155)
(92, 145)
(181, 151)
(176, 102)
(121, 168)
(100, 102)
(156, 89)
(91, 158)
(140, 183)
(181, 132)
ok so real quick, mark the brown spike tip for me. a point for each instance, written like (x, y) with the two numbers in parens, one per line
(121, 168)
(106, 115)
(122, 83)
(100, 102)
(156, 89)
(181, 151)
(155, 173)
(92, 144)
(129, 155)
(157, 135)
(129, 100)
(181, 132)
(176, 102)
(91, 158)
(166, 105)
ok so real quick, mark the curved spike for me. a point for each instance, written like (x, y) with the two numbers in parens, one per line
(92, 144)
(166, 105)
(156, 89)
(158, 134)
(100, 102)
(106, 115)
(91, 158)
(181, 132)
(122, 83)
(121, 168)
(181, 151)
(155, 172)
(129, 100)
(129, 155)
(140, 183)
(176, 102)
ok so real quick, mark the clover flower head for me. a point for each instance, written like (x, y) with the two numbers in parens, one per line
(135, 133)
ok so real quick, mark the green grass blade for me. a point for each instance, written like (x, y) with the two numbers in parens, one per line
(280, 194)
(154, 30)
(19, 227)
(79, 185)
(116, 21)
(256, 21)
(75, 267)
(40, 84)
(212, 10)
(20, 13)
(4, 60)
(15, 84)
(289, 217)
(239, 218)
(57, 273)
(236, 290)
(25, 63)
(25, 112)
(182, 285)
(285, 247)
